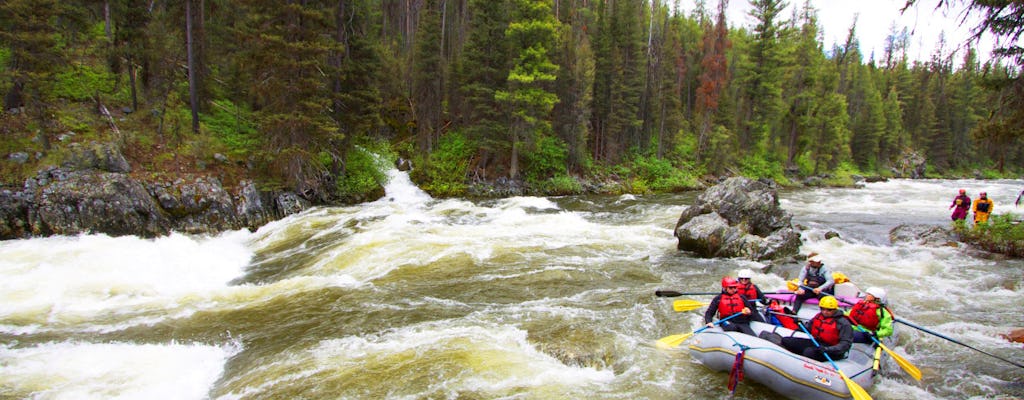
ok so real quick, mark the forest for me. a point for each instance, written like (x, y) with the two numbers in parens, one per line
(308, 95)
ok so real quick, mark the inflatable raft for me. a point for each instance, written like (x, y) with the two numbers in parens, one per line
(794, 376)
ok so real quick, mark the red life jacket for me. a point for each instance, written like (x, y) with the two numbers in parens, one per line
(749, 291)
(729, 305)
(825, 330)
(785, 320)
(866, 314)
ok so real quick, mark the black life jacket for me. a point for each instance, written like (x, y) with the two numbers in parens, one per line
(982, 206)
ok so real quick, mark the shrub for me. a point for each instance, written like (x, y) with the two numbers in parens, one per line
(444, 171)
(1002, 234)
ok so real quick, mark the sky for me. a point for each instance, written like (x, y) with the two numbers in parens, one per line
(876, 18)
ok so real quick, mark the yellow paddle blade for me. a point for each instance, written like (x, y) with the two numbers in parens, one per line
(687, 305)
(673, 341)
(911, 369)
(856, 391)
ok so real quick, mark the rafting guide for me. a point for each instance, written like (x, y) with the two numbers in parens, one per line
(962, 204)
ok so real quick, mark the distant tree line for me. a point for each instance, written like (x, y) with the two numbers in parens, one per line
(532, 90)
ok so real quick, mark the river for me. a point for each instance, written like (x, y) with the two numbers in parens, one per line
(411, 297)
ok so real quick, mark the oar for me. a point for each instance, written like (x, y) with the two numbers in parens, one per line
(687, 305)
(810, 289)
(673, 293)
(856, 391)
(926, 330)
(676, 340)
(911, 369)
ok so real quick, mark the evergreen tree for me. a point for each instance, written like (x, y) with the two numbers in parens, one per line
(428, 78)
(764, 87)
(286, 54)
(529, 97)
(574, 86)
(483, 71)
(713, 79)
(803, 86)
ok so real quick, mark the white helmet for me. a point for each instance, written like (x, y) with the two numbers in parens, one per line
(744, 273)
(876, 291)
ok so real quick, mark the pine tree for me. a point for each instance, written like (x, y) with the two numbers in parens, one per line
(529, 97)
(428, 78)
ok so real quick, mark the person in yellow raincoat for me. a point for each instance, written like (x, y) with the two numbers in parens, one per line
(982, 208)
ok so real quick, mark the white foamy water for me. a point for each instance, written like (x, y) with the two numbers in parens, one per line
(95, 281)
(410, 297)
(74, 370)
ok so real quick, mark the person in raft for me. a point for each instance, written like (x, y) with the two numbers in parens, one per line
(962, 202)
(871, 314)
(816, 276)
(982, 208)
(730, 302)
(830, 328)
(748, 289)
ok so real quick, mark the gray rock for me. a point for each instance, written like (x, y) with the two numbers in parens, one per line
(103, 156)
(923, 235)
(738, 218)
(18, 158)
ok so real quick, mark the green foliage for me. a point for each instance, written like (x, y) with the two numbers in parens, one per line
(655, 174)
(82, 83)
(561, 185)
(759, 167)
(444, 172)
(1002, 234)
(234, 126)
(366, 171)
(548, 159)
(843, 175)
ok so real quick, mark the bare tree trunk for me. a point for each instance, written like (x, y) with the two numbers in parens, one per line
(193, 95)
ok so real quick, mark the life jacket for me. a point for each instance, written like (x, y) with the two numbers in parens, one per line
(865, 313)
(749, 291)
(825, 329)
(778, 315)
(814, 277)
(982, 205)
(729, 305)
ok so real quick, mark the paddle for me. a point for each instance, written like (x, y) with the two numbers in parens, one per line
(676, 340)
(687, 305)
(673, 293)
(926, 330)
(856, 391)
(911, 369)
(808, 288)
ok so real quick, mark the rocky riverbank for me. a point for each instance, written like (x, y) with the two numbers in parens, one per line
(94, 192)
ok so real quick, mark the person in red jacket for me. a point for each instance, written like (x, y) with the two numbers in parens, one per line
(962, 202)
(871, 314)
(748, 289)
(830, 328)
(730, 302)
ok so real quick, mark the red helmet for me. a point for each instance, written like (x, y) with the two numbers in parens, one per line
(729, 282)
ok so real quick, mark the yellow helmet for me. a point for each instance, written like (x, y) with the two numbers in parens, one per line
(828, 302)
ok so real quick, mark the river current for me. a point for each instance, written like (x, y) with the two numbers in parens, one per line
(410, 297)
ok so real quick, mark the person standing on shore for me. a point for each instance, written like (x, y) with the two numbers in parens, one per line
(982, 208)
(962, 202)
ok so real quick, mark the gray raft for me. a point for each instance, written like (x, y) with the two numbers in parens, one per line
(788, 374)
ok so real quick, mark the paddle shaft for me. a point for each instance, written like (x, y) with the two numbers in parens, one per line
(926, 330)
(825, 294)
(856, 391)
(673, 293)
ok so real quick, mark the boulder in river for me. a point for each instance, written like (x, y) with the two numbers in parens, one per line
(739, 217)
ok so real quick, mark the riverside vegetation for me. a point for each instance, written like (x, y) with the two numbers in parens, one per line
(525, 95)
